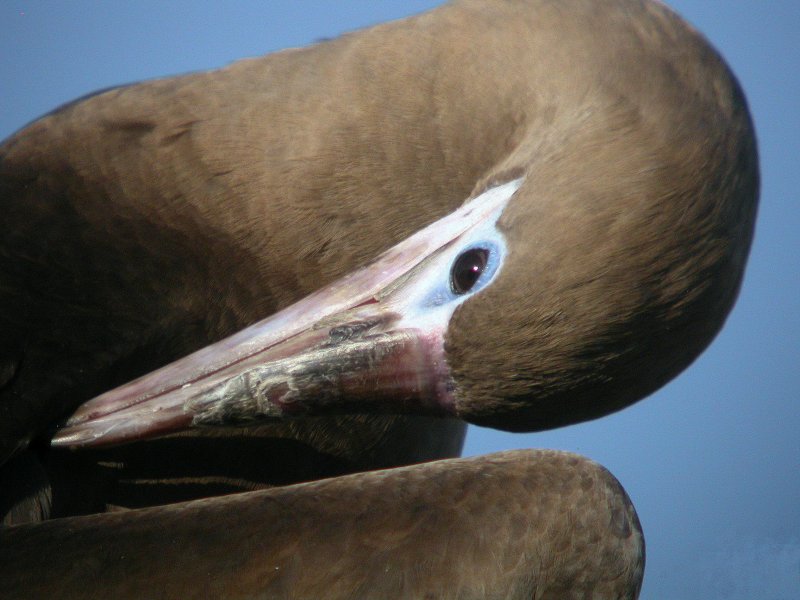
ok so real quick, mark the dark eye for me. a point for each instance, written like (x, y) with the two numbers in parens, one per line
(467, 269)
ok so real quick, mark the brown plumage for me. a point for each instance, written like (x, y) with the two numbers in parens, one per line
(526, 524)
(144, 222)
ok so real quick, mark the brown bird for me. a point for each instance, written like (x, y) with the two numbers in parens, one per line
(611, 171)
(562, 528)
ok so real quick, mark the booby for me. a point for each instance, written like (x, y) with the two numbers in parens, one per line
(609, 166)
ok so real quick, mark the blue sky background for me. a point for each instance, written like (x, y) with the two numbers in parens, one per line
(712, 461)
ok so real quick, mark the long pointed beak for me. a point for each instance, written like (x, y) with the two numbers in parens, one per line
(372, 341)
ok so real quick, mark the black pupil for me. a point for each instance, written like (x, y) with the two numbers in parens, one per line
(467, 268)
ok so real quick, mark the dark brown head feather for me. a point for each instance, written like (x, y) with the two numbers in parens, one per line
(629, 236)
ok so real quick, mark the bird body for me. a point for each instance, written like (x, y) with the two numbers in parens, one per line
(332, 538)
(144, 222)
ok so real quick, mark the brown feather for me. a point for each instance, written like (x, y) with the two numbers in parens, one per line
(526, 524)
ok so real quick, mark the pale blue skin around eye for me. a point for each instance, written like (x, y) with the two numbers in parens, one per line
(427, 300)
(443, 293)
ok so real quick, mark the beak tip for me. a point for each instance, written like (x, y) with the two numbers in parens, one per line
(69, 436)
(119, 428)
